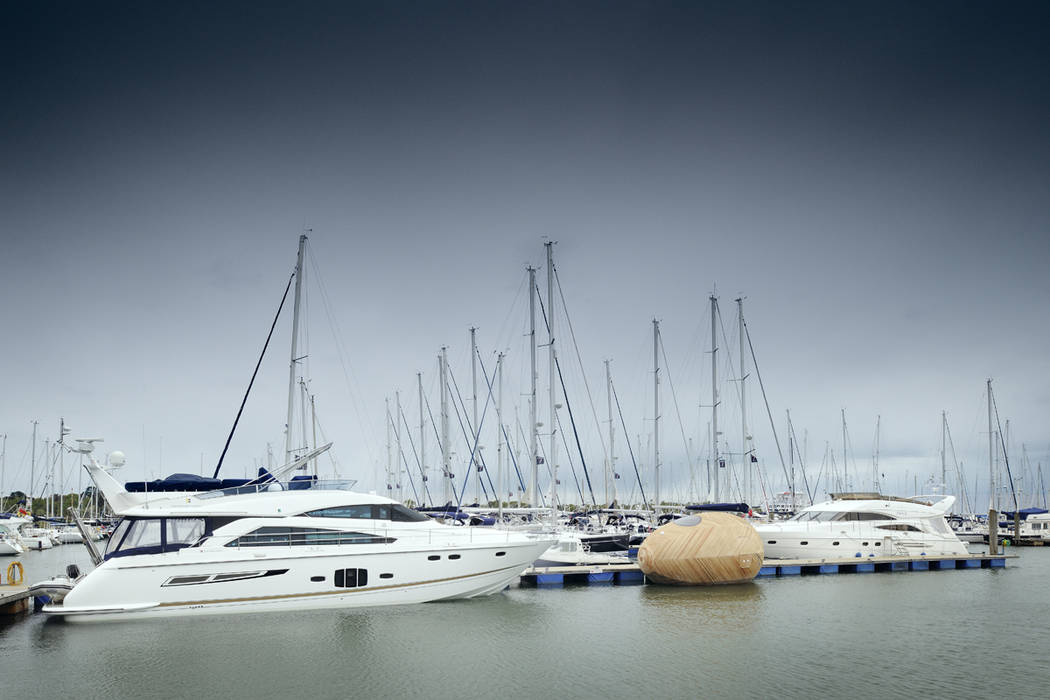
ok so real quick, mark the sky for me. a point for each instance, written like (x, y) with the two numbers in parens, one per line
(873, 179)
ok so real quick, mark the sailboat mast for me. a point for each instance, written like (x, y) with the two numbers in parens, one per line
(791, 460)
(32, 471)
(877, 487)
(610, 465)
(400, 451)
(422, 439)
(499, 436)
(944, 463)
(552, 454)
(656, 417)
(745, 454)
(714, 400)
(445, 452)
(295, 349)
(533, 437)
(993, 515)
(389, 447)
(476, 428)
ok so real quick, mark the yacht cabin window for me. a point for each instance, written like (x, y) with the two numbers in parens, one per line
(371, 511)
(303, 537)
(153, 535)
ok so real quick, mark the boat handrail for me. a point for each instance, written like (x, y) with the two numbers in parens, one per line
(319, 485)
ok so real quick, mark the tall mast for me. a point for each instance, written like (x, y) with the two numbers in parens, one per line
(32, 470)
(3, 469)
(477, 428)
(313, 421)
(62, 430)
(400, 451)
(499, 436)
(446, 458)
(422, 439)
(744, 452)
(295, 349)
(714, 400)
(552, 454)
(878, 434)
(944, 464)
(389, 447)
(845, 464)
(533, 438)
(610, 466)
(656, 416)
(791, 460)
(993, 515)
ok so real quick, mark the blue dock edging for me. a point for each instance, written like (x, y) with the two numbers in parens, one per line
(630, 574)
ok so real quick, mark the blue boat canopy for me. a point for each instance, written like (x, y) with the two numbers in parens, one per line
(723, 507)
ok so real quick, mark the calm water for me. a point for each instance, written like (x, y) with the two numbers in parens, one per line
(903, 634)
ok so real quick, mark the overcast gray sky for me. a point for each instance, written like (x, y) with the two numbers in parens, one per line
(874, 178)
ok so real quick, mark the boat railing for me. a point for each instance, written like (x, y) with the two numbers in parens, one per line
(269, 486)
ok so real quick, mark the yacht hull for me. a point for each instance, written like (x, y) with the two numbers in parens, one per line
(121, 589)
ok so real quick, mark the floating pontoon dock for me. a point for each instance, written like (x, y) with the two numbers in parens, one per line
(631, 574)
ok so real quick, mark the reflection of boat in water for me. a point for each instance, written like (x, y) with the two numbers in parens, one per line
(863, 525)
(266, 546)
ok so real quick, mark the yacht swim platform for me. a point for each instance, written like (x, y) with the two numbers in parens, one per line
(632, 574)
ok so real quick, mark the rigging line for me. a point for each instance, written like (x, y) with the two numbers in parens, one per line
(572, 466)
(464, 423)
(503, 430)
(674, 397)
(352, 383)
(415, 454)
(408, 472)
(958, 471)
(256, 372)
(1006, 458)
(568, 405)
(645, 501)
(539, 492)
(473, 455)
(802, 465)
(579, 358)
(762, 386)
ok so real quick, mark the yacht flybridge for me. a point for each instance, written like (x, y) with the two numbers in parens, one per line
(291, 546)
(864, 525)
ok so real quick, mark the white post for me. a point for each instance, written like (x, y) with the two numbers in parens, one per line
(392, 478)
(476, 429)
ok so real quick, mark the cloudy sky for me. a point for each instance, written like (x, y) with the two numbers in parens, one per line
(873, 178)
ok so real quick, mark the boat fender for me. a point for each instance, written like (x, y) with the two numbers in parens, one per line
(11, 568)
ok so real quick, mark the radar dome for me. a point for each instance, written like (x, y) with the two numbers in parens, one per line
(116, 458)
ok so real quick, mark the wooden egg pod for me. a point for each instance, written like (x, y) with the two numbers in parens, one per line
(702, 549)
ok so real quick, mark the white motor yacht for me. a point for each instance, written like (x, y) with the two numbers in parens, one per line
(292, 546)
(10, 541)
(864, 525)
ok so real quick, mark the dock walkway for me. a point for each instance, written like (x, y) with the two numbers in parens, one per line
(626, 574)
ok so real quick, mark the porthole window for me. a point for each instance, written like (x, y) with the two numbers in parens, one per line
(771, 542)
(834, 544)
(804, 542)
(433, 557)
(453, 556)
(350, 578)
(501, 554)
(386, 576)
(316, 579)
